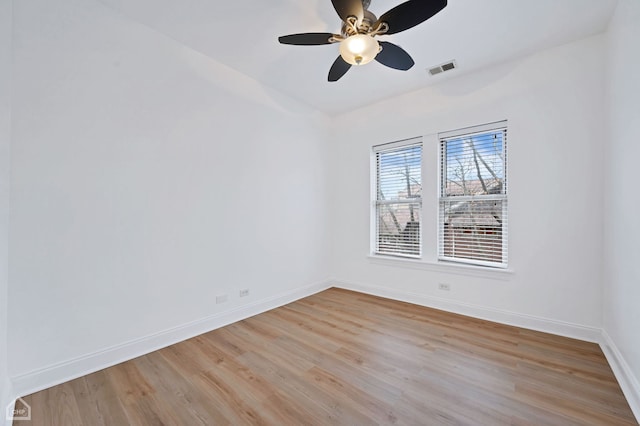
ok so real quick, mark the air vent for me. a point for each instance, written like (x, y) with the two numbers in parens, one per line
(442, 68)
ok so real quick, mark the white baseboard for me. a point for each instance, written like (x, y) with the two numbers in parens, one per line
(628, 381)
(43, 378)
(575, 331)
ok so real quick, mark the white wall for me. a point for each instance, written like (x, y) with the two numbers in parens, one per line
(5, 137)
(622, 204)
(554, 103)
(147, 179)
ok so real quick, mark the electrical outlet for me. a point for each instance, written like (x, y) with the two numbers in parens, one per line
(444, 287)
(222, 298)
(244, 292)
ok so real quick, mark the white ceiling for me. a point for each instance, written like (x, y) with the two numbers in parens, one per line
(242, 34)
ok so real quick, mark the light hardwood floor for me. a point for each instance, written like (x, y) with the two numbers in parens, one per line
(340, 357)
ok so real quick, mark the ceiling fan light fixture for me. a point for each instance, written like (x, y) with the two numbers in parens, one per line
(359, 49)
(360, 26)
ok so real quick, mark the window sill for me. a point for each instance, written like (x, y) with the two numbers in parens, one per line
(443, 267)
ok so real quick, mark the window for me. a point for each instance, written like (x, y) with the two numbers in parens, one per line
(473, 195)
(398, 198)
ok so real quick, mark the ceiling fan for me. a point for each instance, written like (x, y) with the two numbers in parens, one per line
(358, 45)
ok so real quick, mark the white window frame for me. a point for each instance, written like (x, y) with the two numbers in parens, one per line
(502, 197)
(376, 203)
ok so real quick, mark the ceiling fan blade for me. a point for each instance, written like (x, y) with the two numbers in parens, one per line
(346, 8)
(307, 39)
(338, 69)
(410, 13)
(394, 56)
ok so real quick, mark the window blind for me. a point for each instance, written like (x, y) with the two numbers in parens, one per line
(398, 199)
(473, 195)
